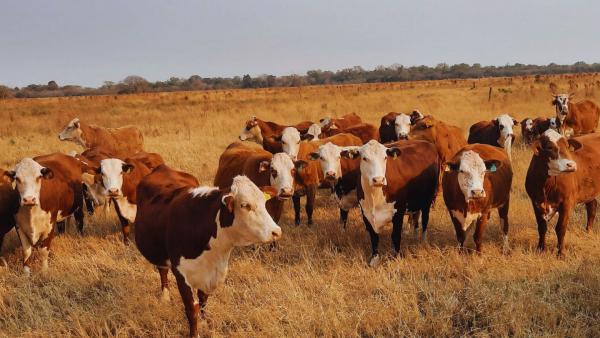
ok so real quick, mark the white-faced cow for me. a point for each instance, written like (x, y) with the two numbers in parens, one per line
(192, 230)
(268, 134)
(531, 129)
(575, 118)
(477, 180)
(497, 132)
(563, 173)
(343, 122)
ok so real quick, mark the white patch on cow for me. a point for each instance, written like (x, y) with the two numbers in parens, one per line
(506, 123)
(553, 124)
(529, 124)
(471, 174)
(290, 142)
(329, 156)
(315, 131)
(44, 253)
(28, 177)
(402, 125)
(202, 191)
(465, 221)
(559, 165)
(33, 225)
(325, 122)
(112, 175)
(549, 213)
(282, 165)
(128, 210)
(165, 295)
(562, 106)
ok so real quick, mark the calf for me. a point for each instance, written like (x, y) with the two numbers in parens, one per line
(563, 173)
(477, 180)
(119, 142)
(50, 189)
(192, 230)
(265, 133)
(392, 181)
(575, 118)
(9, 204)
(343, 122)
(497, 132)
(262, 168)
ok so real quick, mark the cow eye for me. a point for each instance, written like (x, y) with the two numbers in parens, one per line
(365, 159)
(273, 173)
(246, 205)
(501, 127)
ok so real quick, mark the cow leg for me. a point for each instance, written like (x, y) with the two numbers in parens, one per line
(479, 230)
(79, 219)
(61, 226)
(591, 207)
(45, 250)
(202, 299)
(124, 223)
(460, 232)
(3, 232)
(296, 202)
(374, 260)
(27, 250)
(397, 221)
(88, 200)
(191, 307)
(311, 193)
(503, 214)
(163, 271)
(561, 227)
(542, 227)
(424, 223)
(344, 218)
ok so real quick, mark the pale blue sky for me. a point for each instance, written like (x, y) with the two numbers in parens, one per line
(87, 42)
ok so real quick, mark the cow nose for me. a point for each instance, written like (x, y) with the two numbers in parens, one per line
(571, 166)
(29, 200)
(330, 175)
(113, 191)
(477, 193)
(276, 234)
(286, 192)
(378, 181)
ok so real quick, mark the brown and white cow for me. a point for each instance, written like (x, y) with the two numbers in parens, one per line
(9, 204)
(497, 132)
(343, 122)
(262, 168)
(388, 131)
(563, 173)
(393, 181)
(576, 118)
(531, 129)
(50, 189)
(268, 133)
(448, 139)
(477, 180)
(193, 229)
(119, 142)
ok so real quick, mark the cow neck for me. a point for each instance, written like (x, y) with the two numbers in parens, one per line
(86, 135)
(548, 183)
(374, 204)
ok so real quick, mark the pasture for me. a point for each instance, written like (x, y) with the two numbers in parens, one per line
(317, 281)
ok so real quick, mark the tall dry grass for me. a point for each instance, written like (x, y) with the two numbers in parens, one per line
(316, 283)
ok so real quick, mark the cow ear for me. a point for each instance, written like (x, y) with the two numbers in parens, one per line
(227, 201)
(264, 166)
(349, 153)
(537, 147)
(268, 192)
(314, 156)
(321, 120)
(452, 166)
(515, 122)
(300, 164)
(307, 137)
(128, 167)
(97, 170)
(574, 145)
(492, 165)
(393, 152)
(47, 173)
(10, 175)
(495, 122)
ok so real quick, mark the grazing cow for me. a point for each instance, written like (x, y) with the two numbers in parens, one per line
(343, 122)
(477, 180)
(193, 229)
(9, 204)
(576, 118)
(497, 132)
(531, 129)
(262, 168)
(310, 177)
(50, 189)
(265, 133)
(562, 173)
(394, 180)
(448, 139)
(119, 142)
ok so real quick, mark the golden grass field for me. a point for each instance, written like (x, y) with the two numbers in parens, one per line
(317, 282)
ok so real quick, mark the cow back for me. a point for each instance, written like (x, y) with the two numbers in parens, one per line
(448, 139)
(484, 132)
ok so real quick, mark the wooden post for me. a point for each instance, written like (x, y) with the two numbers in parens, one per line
(490, 95)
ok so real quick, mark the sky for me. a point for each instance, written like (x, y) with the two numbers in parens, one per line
(88, 42)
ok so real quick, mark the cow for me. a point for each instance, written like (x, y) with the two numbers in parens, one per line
(262, 168)
(563, 173)
(392, 181)
(575, 118)
(266, 132)
(477, 180)
(9, 204)
(343, 122)
(193, 229)
(448, 139)
(50, 189)
(365, 131)
(497, 132)
(290, 141)
(531, 129)
(387, 127)
(314, 131)
(527, 131)
(119, 142)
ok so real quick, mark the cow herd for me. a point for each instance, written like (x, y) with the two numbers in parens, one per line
(388, 172)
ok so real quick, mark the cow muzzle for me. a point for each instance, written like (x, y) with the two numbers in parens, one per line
(403, 136)
(570, 167)
(29, 201)
(114, 192)
(330, 176)
(285, 193)
(378, 181)
(476, 194)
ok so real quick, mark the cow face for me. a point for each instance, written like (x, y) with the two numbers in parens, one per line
(329, 155)
(556, 150)
(72, 132)
(471, 170)
(251, 131)
(553, 123)
(402, 126)
(281, 174)
(561, 102)
(251, 223)
(314, 130)
(527, 130)
(505, 125)
(111, 175)
(416, 116)
(28, 176)
(290, 142)
(325, 123)
(373, 161)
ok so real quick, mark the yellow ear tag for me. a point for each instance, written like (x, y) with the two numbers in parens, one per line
(267, 196)
(395, 156)
(14, 184)
(447, 168)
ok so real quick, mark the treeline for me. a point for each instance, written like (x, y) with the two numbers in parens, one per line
(394, 73)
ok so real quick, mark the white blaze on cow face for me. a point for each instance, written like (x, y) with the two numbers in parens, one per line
(112, 170)
(561, 163)
(329, 156)
(72, 132)
(315, 131)
(251, 131)
(561, 102)
(505, 124)
(251, 223)
(28, 176)
(281, 175)
(471, 175)
(290, 142)
(402, 126)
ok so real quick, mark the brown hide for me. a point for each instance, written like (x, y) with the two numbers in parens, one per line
(343, 122)
(484, 132)
(448, 139)
(118, 142)
(582, 118)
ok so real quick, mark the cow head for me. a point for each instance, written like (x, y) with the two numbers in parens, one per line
(281, 174)
(556, 150)
(28, 176)
(402, 124)
(72, 132)
(553, 123)
(561, 102)
(527, 130)
(251, 221)
(251, 131)
(325, 123)
(314, 130)
(373, 158)
(290, 141)
(330, 156)
(111, 172)
(505, 125)
(416, 116)
(471, 170)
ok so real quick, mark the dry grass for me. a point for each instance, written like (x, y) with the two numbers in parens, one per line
(317, 282)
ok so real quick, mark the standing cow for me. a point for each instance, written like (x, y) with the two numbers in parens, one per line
(575, 118)
(497, 132)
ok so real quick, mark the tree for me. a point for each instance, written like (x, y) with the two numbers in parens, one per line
(135, 84)
(52, 85)
(247, 81)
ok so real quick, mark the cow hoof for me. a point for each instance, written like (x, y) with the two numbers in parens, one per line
(374, 261)
(309, 223)
(166, 296)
